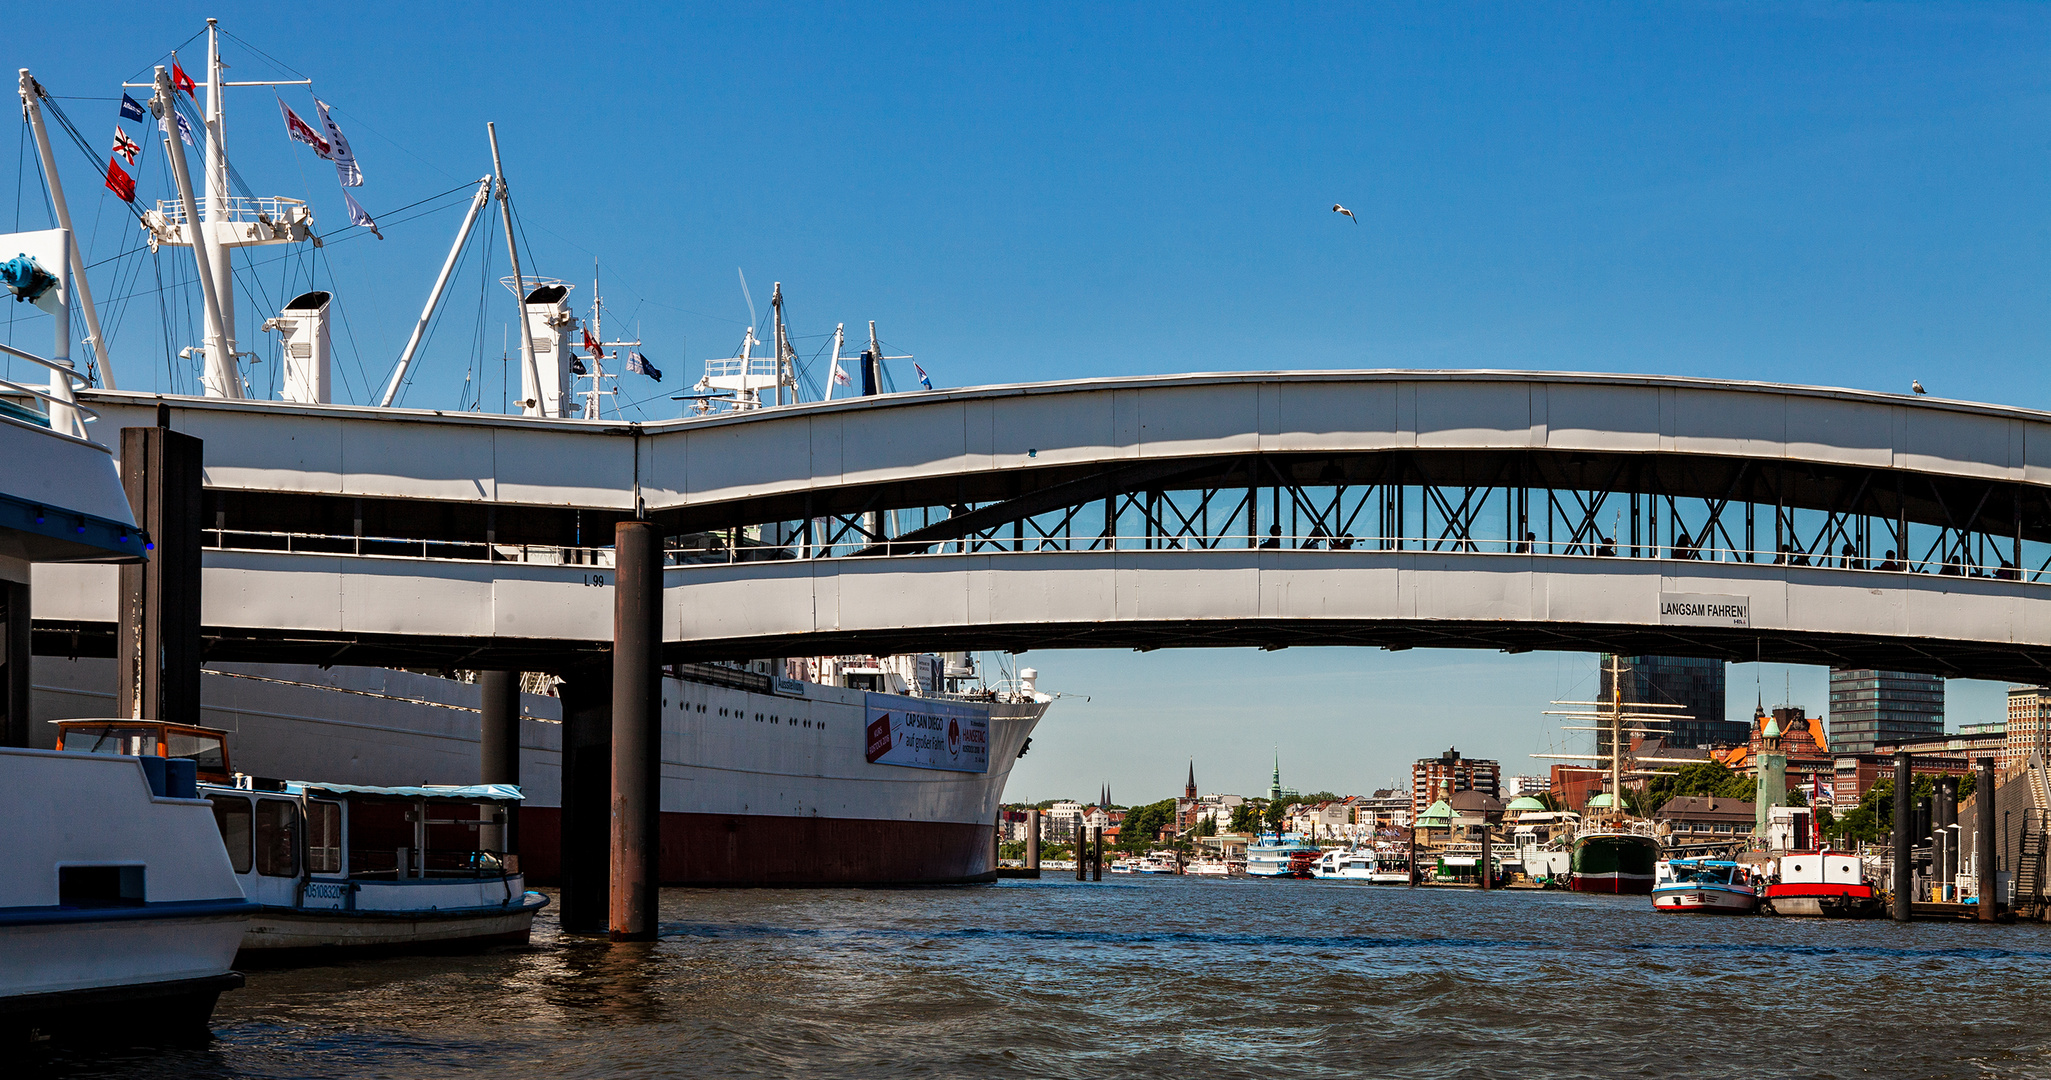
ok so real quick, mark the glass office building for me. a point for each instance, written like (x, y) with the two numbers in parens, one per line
(1696, 685)
(1869, 707)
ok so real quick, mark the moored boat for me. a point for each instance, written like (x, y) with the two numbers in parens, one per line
(119, 913)
(1282, 857)
(1820, 883)
(1612, 851)
(1355, 864)
(1614, 857)
(1713, 886)
(339, 867)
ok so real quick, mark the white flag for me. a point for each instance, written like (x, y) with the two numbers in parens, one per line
(840, 377)
(345, 159)
(184, 129)
(357, 216)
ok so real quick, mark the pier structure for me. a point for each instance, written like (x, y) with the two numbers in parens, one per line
(1637, 515)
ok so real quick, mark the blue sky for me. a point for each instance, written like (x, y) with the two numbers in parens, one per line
(1844, 194)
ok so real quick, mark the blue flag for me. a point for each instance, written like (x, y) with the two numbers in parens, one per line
(923, 380)
(131, 109)
(639, 365)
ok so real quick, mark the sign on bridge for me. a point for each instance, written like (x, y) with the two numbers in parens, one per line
(1704, 609)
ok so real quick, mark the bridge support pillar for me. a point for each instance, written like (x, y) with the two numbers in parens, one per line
(1904, 825)
(584, 837)
(157, 643)
(14, 663)
(1983, 824)
(498, 753)
(1032, 852)
(636, 836)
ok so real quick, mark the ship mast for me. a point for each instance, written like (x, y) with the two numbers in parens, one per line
(1616, 737)
(214, 226)
(216, 203)
(1610, 716)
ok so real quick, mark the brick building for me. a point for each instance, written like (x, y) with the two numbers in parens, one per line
(1432, 779)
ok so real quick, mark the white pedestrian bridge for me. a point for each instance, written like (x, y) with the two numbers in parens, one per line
(1398, 509)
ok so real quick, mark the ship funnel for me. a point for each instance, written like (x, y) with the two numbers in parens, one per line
(550, 322)
(1028, 679)
(304, 324)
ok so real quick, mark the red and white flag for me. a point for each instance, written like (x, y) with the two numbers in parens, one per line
(839, 377)
(183, 81)
(119, 182)
(125, 146)
(300, 131)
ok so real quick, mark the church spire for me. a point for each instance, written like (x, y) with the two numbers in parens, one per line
(1189, 789)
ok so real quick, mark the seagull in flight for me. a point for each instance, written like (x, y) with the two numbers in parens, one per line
(1337, 209)
(1917, 386)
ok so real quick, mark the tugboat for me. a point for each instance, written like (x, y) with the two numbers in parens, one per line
(1821, 883)
(342, 867)
(1716, 886)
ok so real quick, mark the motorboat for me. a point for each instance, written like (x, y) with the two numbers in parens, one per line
(1356, 864)
(1714, 886)
(337, 867)
(1159, 862)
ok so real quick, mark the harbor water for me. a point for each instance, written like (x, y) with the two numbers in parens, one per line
(1154, 976)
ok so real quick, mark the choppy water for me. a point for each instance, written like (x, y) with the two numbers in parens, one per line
(1165, 977)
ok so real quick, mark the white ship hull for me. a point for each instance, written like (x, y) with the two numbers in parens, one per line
(788, 799)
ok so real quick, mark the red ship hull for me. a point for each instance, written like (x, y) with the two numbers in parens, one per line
(754, 849)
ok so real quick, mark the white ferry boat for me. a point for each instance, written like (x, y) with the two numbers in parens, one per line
(1282, 857)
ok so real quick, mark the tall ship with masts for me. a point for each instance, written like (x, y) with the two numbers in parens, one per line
(1613, 851)
(772, 772)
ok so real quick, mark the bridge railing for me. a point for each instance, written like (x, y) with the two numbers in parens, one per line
(716, 549)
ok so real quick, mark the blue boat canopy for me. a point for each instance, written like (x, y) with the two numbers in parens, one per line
(454, 793)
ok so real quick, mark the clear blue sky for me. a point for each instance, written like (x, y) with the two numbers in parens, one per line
(1847, 194)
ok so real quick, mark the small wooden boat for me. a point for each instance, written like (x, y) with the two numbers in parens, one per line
(1709, 886)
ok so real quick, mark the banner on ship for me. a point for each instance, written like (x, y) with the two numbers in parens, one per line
(928, 734)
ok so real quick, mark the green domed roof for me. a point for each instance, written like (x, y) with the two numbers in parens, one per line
(1602, 800)
(1524, 803)
(1437, 811)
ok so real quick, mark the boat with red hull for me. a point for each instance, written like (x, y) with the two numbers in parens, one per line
(1820, 883)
